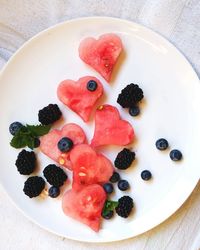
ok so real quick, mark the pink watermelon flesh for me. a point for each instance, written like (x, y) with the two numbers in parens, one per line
(89, 167)
(110, 129)
(48, 143)
(101, 54)
(77, 97)
(86, 205)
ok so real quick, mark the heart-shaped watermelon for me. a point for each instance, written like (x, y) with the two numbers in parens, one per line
(110, 129)
(89, 167)
(49, 143)
(86, 205)
(78, 96)
(101, 54)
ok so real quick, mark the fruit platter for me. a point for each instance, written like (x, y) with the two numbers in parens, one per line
(99, 129)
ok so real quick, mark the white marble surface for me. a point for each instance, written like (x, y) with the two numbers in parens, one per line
(178, 21)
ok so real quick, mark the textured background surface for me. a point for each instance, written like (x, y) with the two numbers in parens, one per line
(179, 22)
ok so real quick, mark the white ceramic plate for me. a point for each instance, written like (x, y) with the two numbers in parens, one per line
(170, 110)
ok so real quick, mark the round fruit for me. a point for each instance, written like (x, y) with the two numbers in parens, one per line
(49, 114)
(54, 192)
(36, 142)
(107, 215)
(65, 144)
(33, 186)
(15, 127)
(124, 159)
(125, 206)
(108, 188)
(115, 177)
(146, 175)
(162, 144)
(92, 85)
(175, 155)
(134, 111)
(123, 185)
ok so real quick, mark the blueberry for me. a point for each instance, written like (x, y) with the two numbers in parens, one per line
(92, 85)
(14, 127)
(108, 215)
(54, 192)
(108, 188)
(175, 155)
(123, 185)
(134, 111)
(162, 144)
(36, 142)
(115, 177)
(146, 175)
(65, 144)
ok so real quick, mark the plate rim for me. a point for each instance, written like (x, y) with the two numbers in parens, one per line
(192, 185)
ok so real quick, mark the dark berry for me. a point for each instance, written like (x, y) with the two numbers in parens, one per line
(115, 177)
(146, 175)
(123, 185)
(54, 192)
(33, 186)
(108, 215)
(175, 155)
(124, 159)
(36, 142)
(15, 127)
(125, 206)
(130, 96)
(108, 188)
(134, 111)
(65, 144)
(55, 175)
(92, 85)
(26, 162)
(49, 114)
(162, 144)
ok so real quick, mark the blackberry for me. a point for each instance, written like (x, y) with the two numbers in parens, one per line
(125, 206)
(49, 114)
(26, 162)
(55, 175)
(124, 159)
(130, 96)
(33, 186)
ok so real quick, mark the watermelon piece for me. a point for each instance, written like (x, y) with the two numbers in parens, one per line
(86, 205)
(110, 129)
(48, 143)
(101, 54)
(89, 167)
(77, 97)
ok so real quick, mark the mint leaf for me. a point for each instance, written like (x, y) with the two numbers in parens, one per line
(30, 142)
(27, 134)
(109, 206)
(18, 141)
(38, 130)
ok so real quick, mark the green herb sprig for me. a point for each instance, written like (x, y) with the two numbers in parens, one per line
(27, 135)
